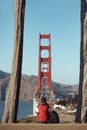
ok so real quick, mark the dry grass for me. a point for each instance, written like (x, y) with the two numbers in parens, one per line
(32, 119)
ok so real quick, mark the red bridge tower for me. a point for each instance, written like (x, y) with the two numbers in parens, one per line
(44, 62)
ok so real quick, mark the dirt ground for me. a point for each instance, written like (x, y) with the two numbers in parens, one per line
(64, 118)
(67, 122)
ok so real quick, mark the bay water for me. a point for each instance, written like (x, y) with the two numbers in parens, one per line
(25, 109)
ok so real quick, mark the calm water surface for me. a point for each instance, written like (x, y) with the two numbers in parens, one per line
(25, 108)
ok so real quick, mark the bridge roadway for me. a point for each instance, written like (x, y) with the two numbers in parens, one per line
(33, 126)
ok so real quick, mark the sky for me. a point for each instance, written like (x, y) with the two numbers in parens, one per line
(60, 18)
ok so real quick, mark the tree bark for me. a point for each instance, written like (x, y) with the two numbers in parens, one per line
(84, 86)
(12, 94)
(81, 114)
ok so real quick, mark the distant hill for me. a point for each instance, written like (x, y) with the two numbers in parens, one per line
(29, 86)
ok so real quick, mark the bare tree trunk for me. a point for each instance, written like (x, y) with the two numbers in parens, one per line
(78, 113)
(12, 95)
(84, 86)
(81, 114)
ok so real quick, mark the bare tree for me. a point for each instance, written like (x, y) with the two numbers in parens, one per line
(12, 94)
(81, 114)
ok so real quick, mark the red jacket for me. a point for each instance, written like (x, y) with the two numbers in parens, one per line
(43, 113)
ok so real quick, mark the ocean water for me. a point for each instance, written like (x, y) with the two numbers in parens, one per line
(25, 108)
